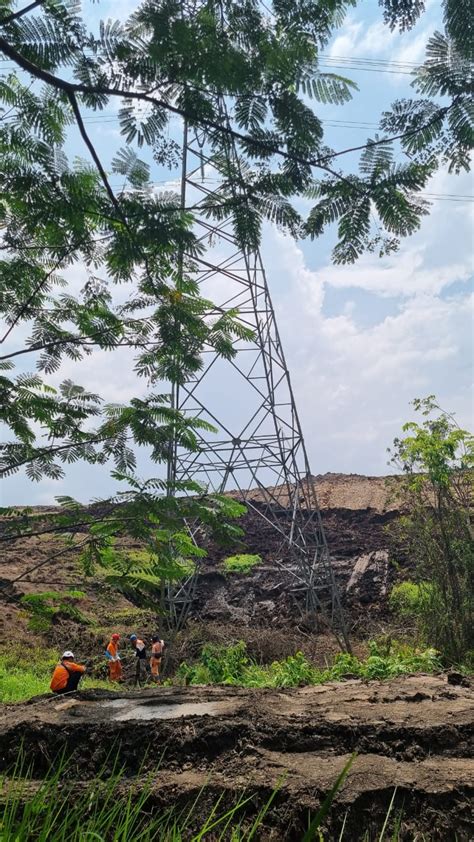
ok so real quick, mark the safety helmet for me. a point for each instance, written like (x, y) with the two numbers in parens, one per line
(67, 654)
(133, 637)
(115, 637)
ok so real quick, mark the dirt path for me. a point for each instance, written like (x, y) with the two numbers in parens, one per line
(415, 733)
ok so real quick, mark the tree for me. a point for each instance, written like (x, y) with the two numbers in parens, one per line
(172, 59)
(437, 460)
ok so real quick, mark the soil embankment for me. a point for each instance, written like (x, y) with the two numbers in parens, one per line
(355, 511)
(413, 733)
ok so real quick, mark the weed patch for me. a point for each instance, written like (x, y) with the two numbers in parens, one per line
(232, 665)
(243, 563)
(43, 608)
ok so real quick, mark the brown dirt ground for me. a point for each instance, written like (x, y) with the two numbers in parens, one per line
(348, 491)
(355, 513)
(414, 733)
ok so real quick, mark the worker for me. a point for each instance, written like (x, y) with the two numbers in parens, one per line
(157, 647)
(142, 667)
(113, 657)
(67, 674)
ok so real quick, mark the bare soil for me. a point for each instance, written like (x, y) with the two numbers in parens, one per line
(356, 511)
(414, 733)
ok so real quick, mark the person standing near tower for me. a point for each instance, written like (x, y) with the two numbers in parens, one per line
(142, 667)
(157, 647)
(113, 657)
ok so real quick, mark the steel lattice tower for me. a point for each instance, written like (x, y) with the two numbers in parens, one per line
(259, 452)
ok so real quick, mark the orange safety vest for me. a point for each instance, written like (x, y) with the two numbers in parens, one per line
(61, 675)
(113, 649)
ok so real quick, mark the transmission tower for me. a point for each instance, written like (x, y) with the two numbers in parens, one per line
(258, 453)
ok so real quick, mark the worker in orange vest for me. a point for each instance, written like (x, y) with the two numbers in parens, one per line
(157, 646)
(113, 657)
(67, 674)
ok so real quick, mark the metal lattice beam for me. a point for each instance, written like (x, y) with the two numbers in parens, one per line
(259, 452)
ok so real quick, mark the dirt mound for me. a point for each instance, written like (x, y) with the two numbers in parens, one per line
(414, 733)
(345, 491)
(355, 511)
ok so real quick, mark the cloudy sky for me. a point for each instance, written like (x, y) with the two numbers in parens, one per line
(361, 341)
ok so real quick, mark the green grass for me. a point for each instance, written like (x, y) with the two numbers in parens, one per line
(107, 809)
(241, 563)
(21, 678)
(232, 665)
(43, 607)
(111, 807)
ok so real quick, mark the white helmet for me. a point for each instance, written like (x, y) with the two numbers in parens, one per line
(67, 654)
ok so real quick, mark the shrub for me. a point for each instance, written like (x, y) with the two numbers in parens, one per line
(406, 598)
(231, 665)
(437, 460)
(241, 563)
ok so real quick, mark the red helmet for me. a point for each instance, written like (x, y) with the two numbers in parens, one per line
(115, 637)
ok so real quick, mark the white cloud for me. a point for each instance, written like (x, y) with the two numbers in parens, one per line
(353, 383)
(356, 39)
(413, 50)
(401, 274)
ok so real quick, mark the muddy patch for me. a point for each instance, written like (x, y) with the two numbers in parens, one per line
(124, 710)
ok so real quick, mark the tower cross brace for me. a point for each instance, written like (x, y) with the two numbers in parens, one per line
(258, 452)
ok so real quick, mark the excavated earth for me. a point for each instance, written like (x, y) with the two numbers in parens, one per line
(412, 734)
(356, 512)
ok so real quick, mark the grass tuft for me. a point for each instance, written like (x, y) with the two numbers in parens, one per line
(243, 563)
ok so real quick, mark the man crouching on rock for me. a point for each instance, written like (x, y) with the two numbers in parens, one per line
(67, 674)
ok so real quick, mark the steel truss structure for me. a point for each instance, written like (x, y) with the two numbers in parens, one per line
(258, 453)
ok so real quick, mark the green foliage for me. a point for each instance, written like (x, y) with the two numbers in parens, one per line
(437, 459)
(170, 554)
(231, 665)
(43, 608)
(243, 563)
(407, 598)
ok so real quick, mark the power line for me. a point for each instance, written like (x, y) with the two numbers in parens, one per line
(449, 197)
(331, 57)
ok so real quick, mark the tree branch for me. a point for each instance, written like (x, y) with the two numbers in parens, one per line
(57, 530)
(16, 15)
(94, 155)
(45, 451)
(47, 560)
(35, 292)
(77, 340)
(320, 163)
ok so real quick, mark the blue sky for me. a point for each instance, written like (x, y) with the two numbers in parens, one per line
(363, 340)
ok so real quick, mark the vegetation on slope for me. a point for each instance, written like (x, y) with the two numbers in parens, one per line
(437, 460)
(242, 563)
(231, 665)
